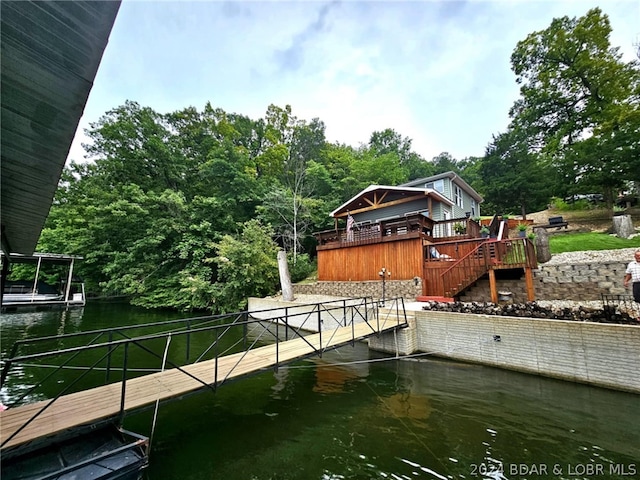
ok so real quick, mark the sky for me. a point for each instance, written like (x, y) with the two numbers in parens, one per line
(437, 72)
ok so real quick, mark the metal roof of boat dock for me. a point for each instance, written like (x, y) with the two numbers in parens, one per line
(50, 55)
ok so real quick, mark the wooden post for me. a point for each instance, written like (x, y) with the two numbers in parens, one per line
(3, 275)
(528, 275)
(493, 286)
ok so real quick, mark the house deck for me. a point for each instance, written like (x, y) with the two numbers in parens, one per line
(447, 255)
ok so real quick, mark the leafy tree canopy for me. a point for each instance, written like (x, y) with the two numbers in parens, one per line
(187, 209)
(579, 101)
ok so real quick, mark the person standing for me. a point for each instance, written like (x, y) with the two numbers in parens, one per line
(632, 275)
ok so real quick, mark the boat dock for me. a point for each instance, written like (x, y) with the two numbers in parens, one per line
(357, 319)
(35, 293)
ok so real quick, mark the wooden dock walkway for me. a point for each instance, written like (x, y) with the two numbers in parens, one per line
(93, 405)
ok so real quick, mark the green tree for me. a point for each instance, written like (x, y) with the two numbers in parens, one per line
(247, 266)
(147, 218)
(132, 145)
(579, 100)
(444, 162)
(390, 142)
(513, 176)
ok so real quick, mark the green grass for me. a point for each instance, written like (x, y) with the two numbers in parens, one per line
(576, 242)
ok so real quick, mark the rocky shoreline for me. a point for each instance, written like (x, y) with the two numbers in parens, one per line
(549, 310)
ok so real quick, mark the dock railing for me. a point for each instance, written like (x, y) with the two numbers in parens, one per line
(97, 354)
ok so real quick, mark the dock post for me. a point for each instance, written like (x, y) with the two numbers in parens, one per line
(67, 291)
(188, 340)
(124, 383)
(108, 372)
(528, 275)
(319, 330)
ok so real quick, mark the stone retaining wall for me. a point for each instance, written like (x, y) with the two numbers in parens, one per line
(593, 353)
(409, 289)
(582, 281)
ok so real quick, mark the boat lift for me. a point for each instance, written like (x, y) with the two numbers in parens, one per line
(15, 295)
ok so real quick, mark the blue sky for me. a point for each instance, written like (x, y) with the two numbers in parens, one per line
(436, 72)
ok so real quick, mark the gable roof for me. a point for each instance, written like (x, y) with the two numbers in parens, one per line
(455, 178)
(374, 195)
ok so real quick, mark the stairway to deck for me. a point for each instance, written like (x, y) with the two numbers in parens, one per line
(449, 279)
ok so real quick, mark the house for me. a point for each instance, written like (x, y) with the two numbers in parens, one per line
(465, 200)
(424, 229)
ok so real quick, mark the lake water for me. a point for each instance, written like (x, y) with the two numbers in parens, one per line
(356, 414)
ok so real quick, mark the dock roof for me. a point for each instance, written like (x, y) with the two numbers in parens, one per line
(50, 55)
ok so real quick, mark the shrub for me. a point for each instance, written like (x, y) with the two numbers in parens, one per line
(303, 267)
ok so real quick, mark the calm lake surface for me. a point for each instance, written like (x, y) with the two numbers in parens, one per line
(355, 414)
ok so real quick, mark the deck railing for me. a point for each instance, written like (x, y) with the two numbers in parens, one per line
(413, 225)
(513, 253)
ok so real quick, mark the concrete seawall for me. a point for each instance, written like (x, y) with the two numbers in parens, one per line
(604, 355)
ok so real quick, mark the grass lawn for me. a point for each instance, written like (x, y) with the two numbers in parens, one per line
(575, 242)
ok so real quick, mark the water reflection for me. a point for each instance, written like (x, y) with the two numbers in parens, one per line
(349, 415)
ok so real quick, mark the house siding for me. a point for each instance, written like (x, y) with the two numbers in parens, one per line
(449, 185)
(391, 211)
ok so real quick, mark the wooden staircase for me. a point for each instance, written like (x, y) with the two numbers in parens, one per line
(454, 277)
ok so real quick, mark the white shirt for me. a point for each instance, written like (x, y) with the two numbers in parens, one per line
(634, 269)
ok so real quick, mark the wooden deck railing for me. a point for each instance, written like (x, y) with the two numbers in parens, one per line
(414, 225)
(476, 258)
(496, 254)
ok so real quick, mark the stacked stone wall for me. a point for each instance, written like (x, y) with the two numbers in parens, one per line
(579, 282)
(582, 281)
(408, 289)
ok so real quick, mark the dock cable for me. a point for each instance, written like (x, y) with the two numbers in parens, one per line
(155, 411)
(408, 357)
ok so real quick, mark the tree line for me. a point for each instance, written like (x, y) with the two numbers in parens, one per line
(187, 209)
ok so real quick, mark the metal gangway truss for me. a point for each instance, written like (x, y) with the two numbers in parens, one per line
(123, 369)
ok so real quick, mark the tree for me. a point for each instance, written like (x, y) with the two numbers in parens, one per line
(513, 175)
(445, 162)
(147, 213)
(247, 266)
(578, 96)
(132, 144)
(390, 142)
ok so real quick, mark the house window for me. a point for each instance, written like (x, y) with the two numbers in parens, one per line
(458, 196)
(473, 208)
(438, 185)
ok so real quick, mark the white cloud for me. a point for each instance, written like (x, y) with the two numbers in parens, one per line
(436, 72)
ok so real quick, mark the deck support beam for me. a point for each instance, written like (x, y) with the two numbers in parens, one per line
(492, 285)
(528, 275)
